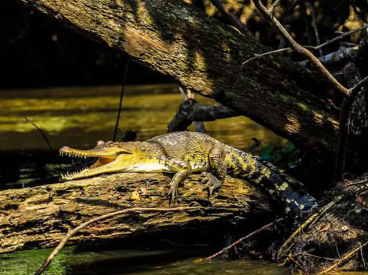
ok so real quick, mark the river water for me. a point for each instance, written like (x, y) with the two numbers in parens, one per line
(79, 117)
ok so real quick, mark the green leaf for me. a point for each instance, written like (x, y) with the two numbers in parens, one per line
(266, 152)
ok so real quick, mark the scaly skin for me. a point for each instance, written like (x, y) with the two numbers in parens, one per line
(182, 153)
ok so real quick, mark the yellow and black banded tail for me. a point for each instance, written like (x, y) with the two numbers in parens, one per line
(298, 203)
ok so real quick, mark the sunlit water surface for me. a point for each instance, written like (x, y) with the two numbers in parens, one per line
(108, 262)
(81, 116)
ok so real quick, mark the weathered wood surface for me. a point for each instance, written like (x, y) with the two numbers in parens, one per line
(204, 55)
(39, 217)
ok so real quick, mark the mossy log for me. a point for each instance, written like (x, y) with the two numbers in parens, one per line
(207, 56)
(38, 217)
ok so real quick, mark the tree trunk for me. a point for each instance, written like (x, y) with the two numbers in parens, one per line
(41, 216)
(205, 55)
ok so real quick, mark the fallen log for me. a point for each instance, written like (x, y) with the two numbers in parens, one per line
(39, 217)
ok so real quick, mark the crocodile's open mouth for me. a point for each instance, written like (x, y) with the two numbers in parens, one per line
(104, 164)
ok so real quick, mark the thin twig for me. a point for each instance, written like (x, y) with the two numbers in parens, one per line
(359, 85)
(362, 255)
(303, 8)
(296, 262)
(276, 24)
(341, 36)
(309, 47)
(314, 256)
(347, 256)
(231, 17)
(222, 251)
(349, 72)
(121, 100)
(337, 251)
(72, 232)
(44, 137)
(273, 6)
(343, 139)
(314, 25)
(266, 53)
(363, 181)
(41, 132)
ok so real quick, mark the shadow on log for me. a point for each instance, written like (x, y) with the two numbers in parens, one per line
(39, 217)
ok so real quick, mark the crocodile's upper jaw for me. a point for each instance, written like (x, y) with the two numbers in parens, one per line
(109, 161)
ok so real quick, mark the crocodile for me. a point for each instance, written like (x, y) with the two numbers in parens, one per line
(181, 153)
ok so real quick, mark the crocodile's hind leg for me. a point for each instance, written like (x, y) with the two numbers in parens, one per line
(182, 169)
(217, 176)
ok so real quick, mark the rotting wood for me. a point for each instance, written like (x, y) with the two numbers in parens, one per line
(39, 217)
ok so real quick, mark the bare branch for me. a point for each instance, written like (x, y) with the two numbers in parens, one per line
(314, 25)
(121, 99)
(303, 9)
(266, 53)
(365, 26)
(310, 47)
(276, 24)
(41, 132)
(359, 85)
(222, 251)
(273, 6)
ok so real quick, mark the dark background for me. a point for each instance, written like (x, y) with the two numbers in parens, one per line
(36, 51)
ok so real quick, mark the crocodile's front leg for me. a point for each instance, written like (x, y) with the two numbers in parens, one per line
(218, 169)
(182, 169)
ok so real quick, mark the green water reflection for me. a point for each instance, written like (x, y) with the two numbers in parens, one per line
(70, 262)
(80, 116)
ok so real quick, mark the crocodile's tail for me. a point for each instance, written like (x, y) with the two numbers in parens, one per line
(298, 203)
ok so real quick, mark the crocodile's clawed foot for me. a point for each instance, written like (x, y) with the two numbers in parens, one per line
(212, 183)
(172, 194)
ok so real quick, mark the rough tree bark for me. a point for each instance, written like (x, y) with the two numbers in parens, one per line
(41, 216)
(204, 55)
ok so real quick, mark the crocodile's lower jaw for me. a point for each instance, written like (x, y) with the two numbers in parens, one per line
(96, 169)
(102, 165)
